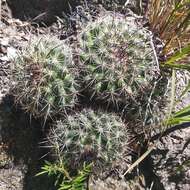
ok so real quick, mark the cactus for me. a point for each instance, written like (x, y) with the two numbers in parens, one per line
(44, 76)
(118, 60)
(89, 136)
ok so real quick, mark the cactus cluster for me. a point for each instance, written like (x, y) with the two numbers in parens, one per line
(44, 76)
(117, 65)
(90, 136)
(117, 59)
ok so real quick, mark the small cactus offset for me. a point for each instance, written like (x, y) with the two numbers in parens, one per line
(118, 60)
(90, 136)
(44, 77)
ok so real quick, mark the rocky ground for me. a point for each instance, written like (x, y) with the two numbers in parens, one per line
(20, 137)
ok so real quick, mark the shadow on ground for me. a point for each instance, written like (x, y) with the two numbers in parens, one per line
(44, 11)
(21, 137)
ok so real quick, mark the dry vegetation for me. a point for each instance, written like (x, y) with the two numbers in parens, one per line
(170, 20)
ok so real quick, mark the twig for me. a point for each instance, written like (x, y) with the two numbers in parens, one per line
(139, 160)
(126, 3)
(151, 148)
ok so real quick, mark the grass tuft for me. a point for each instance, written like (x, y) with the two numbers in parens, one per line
(170, 19)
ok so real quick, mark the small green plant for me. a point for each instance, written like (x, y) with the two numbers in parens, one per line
(178, 59)
(44, 77)
(181, 168)
(88, 137)
(119, 63)
(63, 179)
(180, 117)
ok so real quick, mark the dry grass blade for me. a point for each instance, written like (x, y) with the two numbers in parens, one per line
(173, 91)
(139, 160)
(170, 19)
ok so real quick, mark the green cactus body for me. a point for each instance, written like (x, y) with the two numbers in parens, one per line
(44, 75)
(118, 59)
(90, 136)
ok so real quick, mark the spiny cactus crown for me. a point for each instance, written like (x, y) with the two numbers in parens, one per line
(118, 59)
(45, 77)
(90, 136)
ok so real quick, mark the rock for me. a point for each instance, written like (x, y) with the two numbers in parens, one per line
(110, 183)
(11, 52)
(4, 42)
(4, 58)
(11, 179)
(172, 160)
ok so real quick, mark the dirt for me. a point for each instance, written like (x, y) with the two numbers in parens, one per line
(20, 136)
(172, 152)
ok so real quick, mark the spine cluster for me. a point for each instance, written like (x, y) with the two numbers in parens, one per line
(90, 136)
(118, 60)
(44, 74)
(117, 65)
